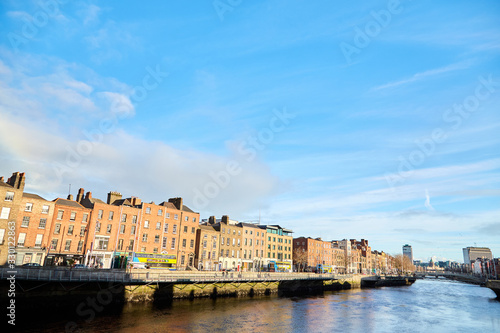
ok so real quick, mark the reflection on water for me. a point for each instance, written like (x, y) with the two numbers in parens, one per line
(426, 306)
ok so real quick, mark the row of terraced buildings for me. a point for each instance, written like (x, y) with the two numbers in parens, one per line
(107, 234)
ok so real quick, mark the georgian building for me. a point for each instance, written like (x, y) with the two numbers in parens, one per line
(34, 220)
(67, 234)
(207, 248)
(11, 193)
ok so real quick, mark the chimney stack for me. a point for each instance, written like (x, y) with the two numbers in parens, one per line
(17, 180)
(136, 201)
(80, 194)
(70, 197)
(88, 196)
(225, 219)
(177, 202)
(113, 196)
(211, 220)
(1, 179)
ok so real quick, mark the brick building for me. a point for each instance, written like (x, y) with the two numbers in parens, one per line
(11, 193)
(33, 225)
(207, 248)
(67, 233)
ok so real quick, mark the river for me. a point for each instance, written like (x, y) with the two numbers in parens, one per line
(429, 305)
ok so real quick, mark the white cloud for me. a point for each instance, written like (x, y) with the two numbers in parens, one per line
(424, 75)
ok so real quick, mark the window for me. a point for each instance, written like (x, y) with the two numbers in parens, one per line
(232, 253)
(124, 218)
(38, 240)
(85, 217)
(131, 245)
(155, 250)
(53, 244)
(111, 215)
(160, 212)
(174, 229)
(144, 237)
(256, 253)
(246, 241)
(101, 243)
(165, 229)
(167, 215)
(194, 219)
(186, 218)
(238, 242)
(257, 242)
(164, 242)
(9, 196)
(250, 242)
(184, 242)
(120, 244)
(148, 210)
(204, 244)
(29, 207)
(82, 231)
(42, 223)
(26, 221)
(228, 241)
(146, 224)
(108, 228)
(192, 230)
(20, 240)
(223, 230)
(176, 216)
(239, 232)
(191, 243)
(143, 249)
(182, 259)
(99, 214)
(227, 253)
(60, 214)
(234, 241)
(157, 238)
(222, 253)
(80, 246)
(45, 209)
(185, 229)
(70, 229)
(173, 243)
(5, 213)
(134, 219)
(98, 227)
(57, 229)
(238, 254)
(122, 229)
(222, 241)
(132, 230)
(158, 225)
(67, 246)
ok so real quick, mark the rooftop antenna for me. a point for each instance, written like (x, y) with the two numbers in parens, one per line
(69, 191)
(259, 215)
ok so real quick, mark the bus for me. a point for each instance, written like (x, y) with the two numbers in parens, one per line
(324, 269)
(153, 260)
(283, 266)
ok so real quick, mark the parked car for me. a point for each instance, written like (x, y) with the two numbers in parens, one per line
(139, 265)
(31, 264)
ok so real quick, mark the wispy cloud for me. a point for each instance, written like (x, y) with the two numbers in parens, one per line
(425, 75)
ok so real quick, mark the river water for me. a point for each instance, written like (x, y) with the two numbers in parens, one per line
(429, 305)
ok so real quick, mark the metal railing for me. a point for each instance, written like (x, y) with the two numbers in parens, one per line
(148, 276)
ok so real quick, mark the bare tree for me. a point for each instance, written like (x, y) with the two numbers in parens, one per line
(300, 259)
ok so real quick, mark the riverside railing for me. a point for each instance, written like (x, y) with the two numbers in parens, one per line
(151, 276)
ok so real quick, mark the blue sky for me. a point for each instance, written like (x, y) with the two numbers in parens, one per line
(376, 120)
